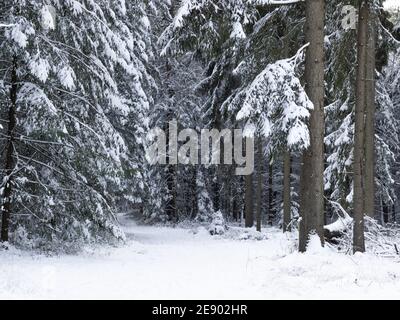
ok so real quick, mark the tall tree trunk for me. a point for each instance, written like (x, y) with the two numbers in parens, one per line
(9, 161)
(259, 184)
(171, 209)
(249, 219)
(270, 192)
(370, 120)
(359, 134)
(312, 174)
(171, 169)
(195, 205)
(287, 217)
(216, 190)
(235, 213)
(385, 213)
(393, 213)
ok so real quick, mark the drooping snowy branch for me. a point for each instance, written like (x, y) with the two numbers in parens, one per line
(278, 2)
(236, 15)
(278, 104)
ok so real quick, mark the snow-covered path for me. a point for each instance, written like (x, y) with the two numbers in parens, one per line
(166, 263)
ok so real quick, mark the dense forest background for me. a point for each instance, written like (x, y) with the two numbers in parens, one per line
(83, 82)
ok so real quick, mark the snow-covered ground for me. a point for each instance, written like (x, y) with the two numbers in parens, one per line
(176, 263)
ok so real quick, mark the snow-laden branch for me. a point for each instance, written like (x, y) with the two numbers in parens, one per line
(298, 53)
(277, 104)
(2, 25)
(390, 34)
(278, 2)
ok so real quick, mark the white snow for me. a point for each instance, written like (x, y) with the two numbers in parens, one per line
(19, 36)
(391, 4)
(177, 263)
(237, 31)
(314, 245)
(340, 224)
(48, 17)
(183, 11)
(40, 68)
(66, 75)
(77, 7)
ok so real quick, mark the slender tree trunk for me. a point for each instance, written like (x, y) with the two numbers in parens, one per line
(9, 161)
(370, 120)
(195, 205)
(270, 193)
(216, 190)
(381, 211)
(393, 213)
(359, 134)
(171, 177)
(259, 184)
(287, 217)
(171, 169)
(385, 213)
(171, 209)
(312, 174)
(235, 212)
(249, 219)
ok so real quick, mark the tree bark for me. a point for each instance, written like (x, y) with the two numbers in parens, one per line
(259, 184)
(312, 173)
(195, 204)
(235, 213)
(359, 134)
(249, 219)
(171, 169)
(171, 209)
(370, 120)
(9, 161)
(385, 213)
(270, 192)
(287, 217)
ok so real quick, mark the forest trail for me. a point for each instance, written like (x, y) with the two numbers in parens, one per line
(177, 263)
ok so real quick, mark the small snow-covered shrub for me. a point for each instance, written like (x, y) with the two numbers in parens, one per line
(218, 224)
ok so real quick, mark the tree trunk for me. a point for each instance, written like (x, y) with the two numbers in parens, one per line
(249, 219)
(359, 134)
(270, 193)
(259, 184)
(369, 196)
(171, 177)
(393, 213)
(312, 174)
(195, 204)
(171, 169)
(287, 217)
(9, 161)
(235, 213)
(171, 209)
(385, 213)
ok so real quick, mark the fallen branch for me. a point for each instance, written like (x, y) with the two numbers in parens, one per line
(340, 226)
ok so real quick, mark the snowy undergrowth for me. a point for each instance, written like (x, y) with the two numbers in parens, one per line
(186, 263)
(380, 240)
